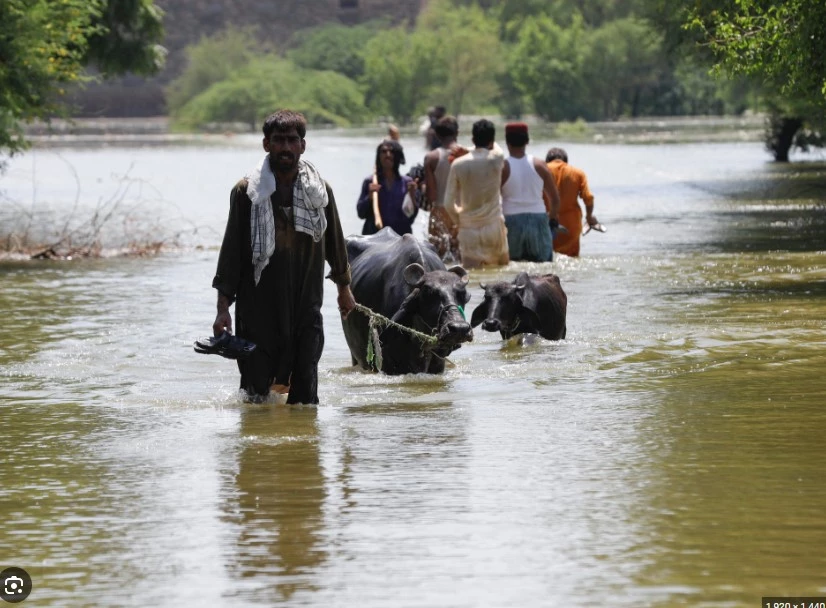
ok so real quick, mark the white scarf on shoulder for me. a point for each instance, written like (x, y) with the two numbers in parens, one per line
(309, 200)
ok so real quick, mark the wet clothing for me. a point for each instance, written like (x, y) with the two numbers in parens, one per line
(571, 183)
(441, 229)
(309, 200)
(390, 206)
(473, 202)
(442, 233)
(441, 172)
(529, 235)
(522, 193)
(282, 313)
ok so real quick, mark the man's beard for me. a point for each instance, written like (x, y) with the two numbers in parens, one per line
(283, 162)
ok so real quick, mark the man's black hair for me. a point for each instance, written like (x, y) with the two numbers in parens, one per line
(398, 155)
(556, 154)
(447, 126)
(285, 120)
(484, 132)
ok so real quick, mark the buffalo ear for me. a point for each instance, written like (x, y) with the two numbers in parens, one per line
(413, 274)
(460, 272)
(480, 313)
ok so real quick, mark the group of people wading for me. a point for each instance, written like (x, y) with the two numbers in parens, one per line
(283, 225)
(486, 208)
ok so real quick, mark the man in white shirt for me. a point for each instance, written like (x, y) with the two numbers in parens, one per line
(473, 201)
(530, 200)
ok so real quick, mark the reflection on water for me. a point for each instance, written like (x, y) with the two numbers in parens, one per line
(276, 504)
(667, 453)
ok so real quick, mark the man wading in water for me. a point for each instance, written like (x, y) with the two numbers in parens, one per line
(283, 224)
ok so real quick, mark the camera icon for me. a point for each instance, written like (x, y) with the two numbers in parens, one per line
(13, 585)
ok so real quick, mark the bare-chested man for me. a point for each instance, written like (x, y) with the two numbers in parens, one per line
(441, 228)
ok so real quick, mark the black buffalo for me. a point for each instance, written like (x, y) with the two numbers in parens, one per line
(529, 305)
(404, 279)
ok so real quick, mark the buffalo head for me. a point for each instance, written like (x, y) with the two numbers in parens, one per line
(435, 306)
(503, 310)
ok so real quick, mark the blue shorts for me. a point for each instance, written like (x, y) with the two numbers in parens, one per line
(529, 237)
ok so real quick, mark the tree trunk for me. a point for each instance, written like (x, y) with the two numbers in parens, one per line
(780, 136)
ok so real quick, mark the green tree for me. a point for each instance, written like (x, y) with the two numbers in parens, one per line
(513, 15)
(623, 67)
(45, 45)
(780, 44)
(334, 47)
(399, 73)
(546, 66)
(697, 92)
(779, 41)
(126, 37)
(211, 60)
(249, 94)
(469, 51)
(40, 51)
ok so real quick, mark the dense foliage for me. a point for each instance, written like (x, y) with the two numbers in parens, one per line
(45, 45)
(563, 60)
(780, 42)
(781, 46)
(229, 80)
(209, 62)
(334, 47)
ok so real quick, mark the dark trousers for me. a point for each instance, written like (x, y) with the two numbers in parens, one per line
(259, 371)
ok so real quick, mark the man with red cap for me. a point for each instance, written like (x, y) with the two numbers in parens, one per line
(530, 200)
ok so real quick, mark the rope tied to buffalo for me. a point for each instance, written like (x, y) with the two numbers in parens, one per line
(377, 321)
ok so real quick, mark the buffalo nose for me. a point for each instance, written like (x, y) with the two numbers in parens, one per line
(460, 328)
(491, 325)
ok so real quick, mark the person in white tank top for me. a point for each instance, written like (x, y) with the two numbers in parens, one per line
(530, 200)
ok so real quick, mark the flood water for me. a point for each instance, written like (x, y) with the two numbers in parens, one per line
(669, 452)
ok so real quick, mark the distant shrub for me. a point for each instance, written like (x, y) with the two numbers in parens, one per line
(268, 83)
(334, 47)
(572, 130)
(210, 61)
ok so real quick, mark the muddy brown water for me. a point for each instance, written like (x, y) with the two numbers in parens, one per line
(669, 452)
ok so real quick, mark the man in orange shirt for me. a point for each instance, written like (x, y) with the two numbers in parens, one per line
(572, 184)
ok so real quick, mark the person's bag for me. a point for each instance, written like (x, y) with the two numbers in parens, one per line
(408, 207)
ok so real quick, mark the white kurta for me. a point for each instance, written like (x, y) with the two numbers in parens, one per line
(473, 201)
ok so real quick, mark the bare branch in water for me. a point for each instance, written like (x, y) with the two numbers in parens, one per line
(132, 220)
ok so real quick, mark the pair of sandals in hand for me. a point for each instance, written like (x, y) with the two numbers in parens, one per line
(225, 345)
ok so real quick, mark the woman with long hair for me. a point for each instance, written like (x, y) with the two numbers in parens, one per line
(390, 187)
